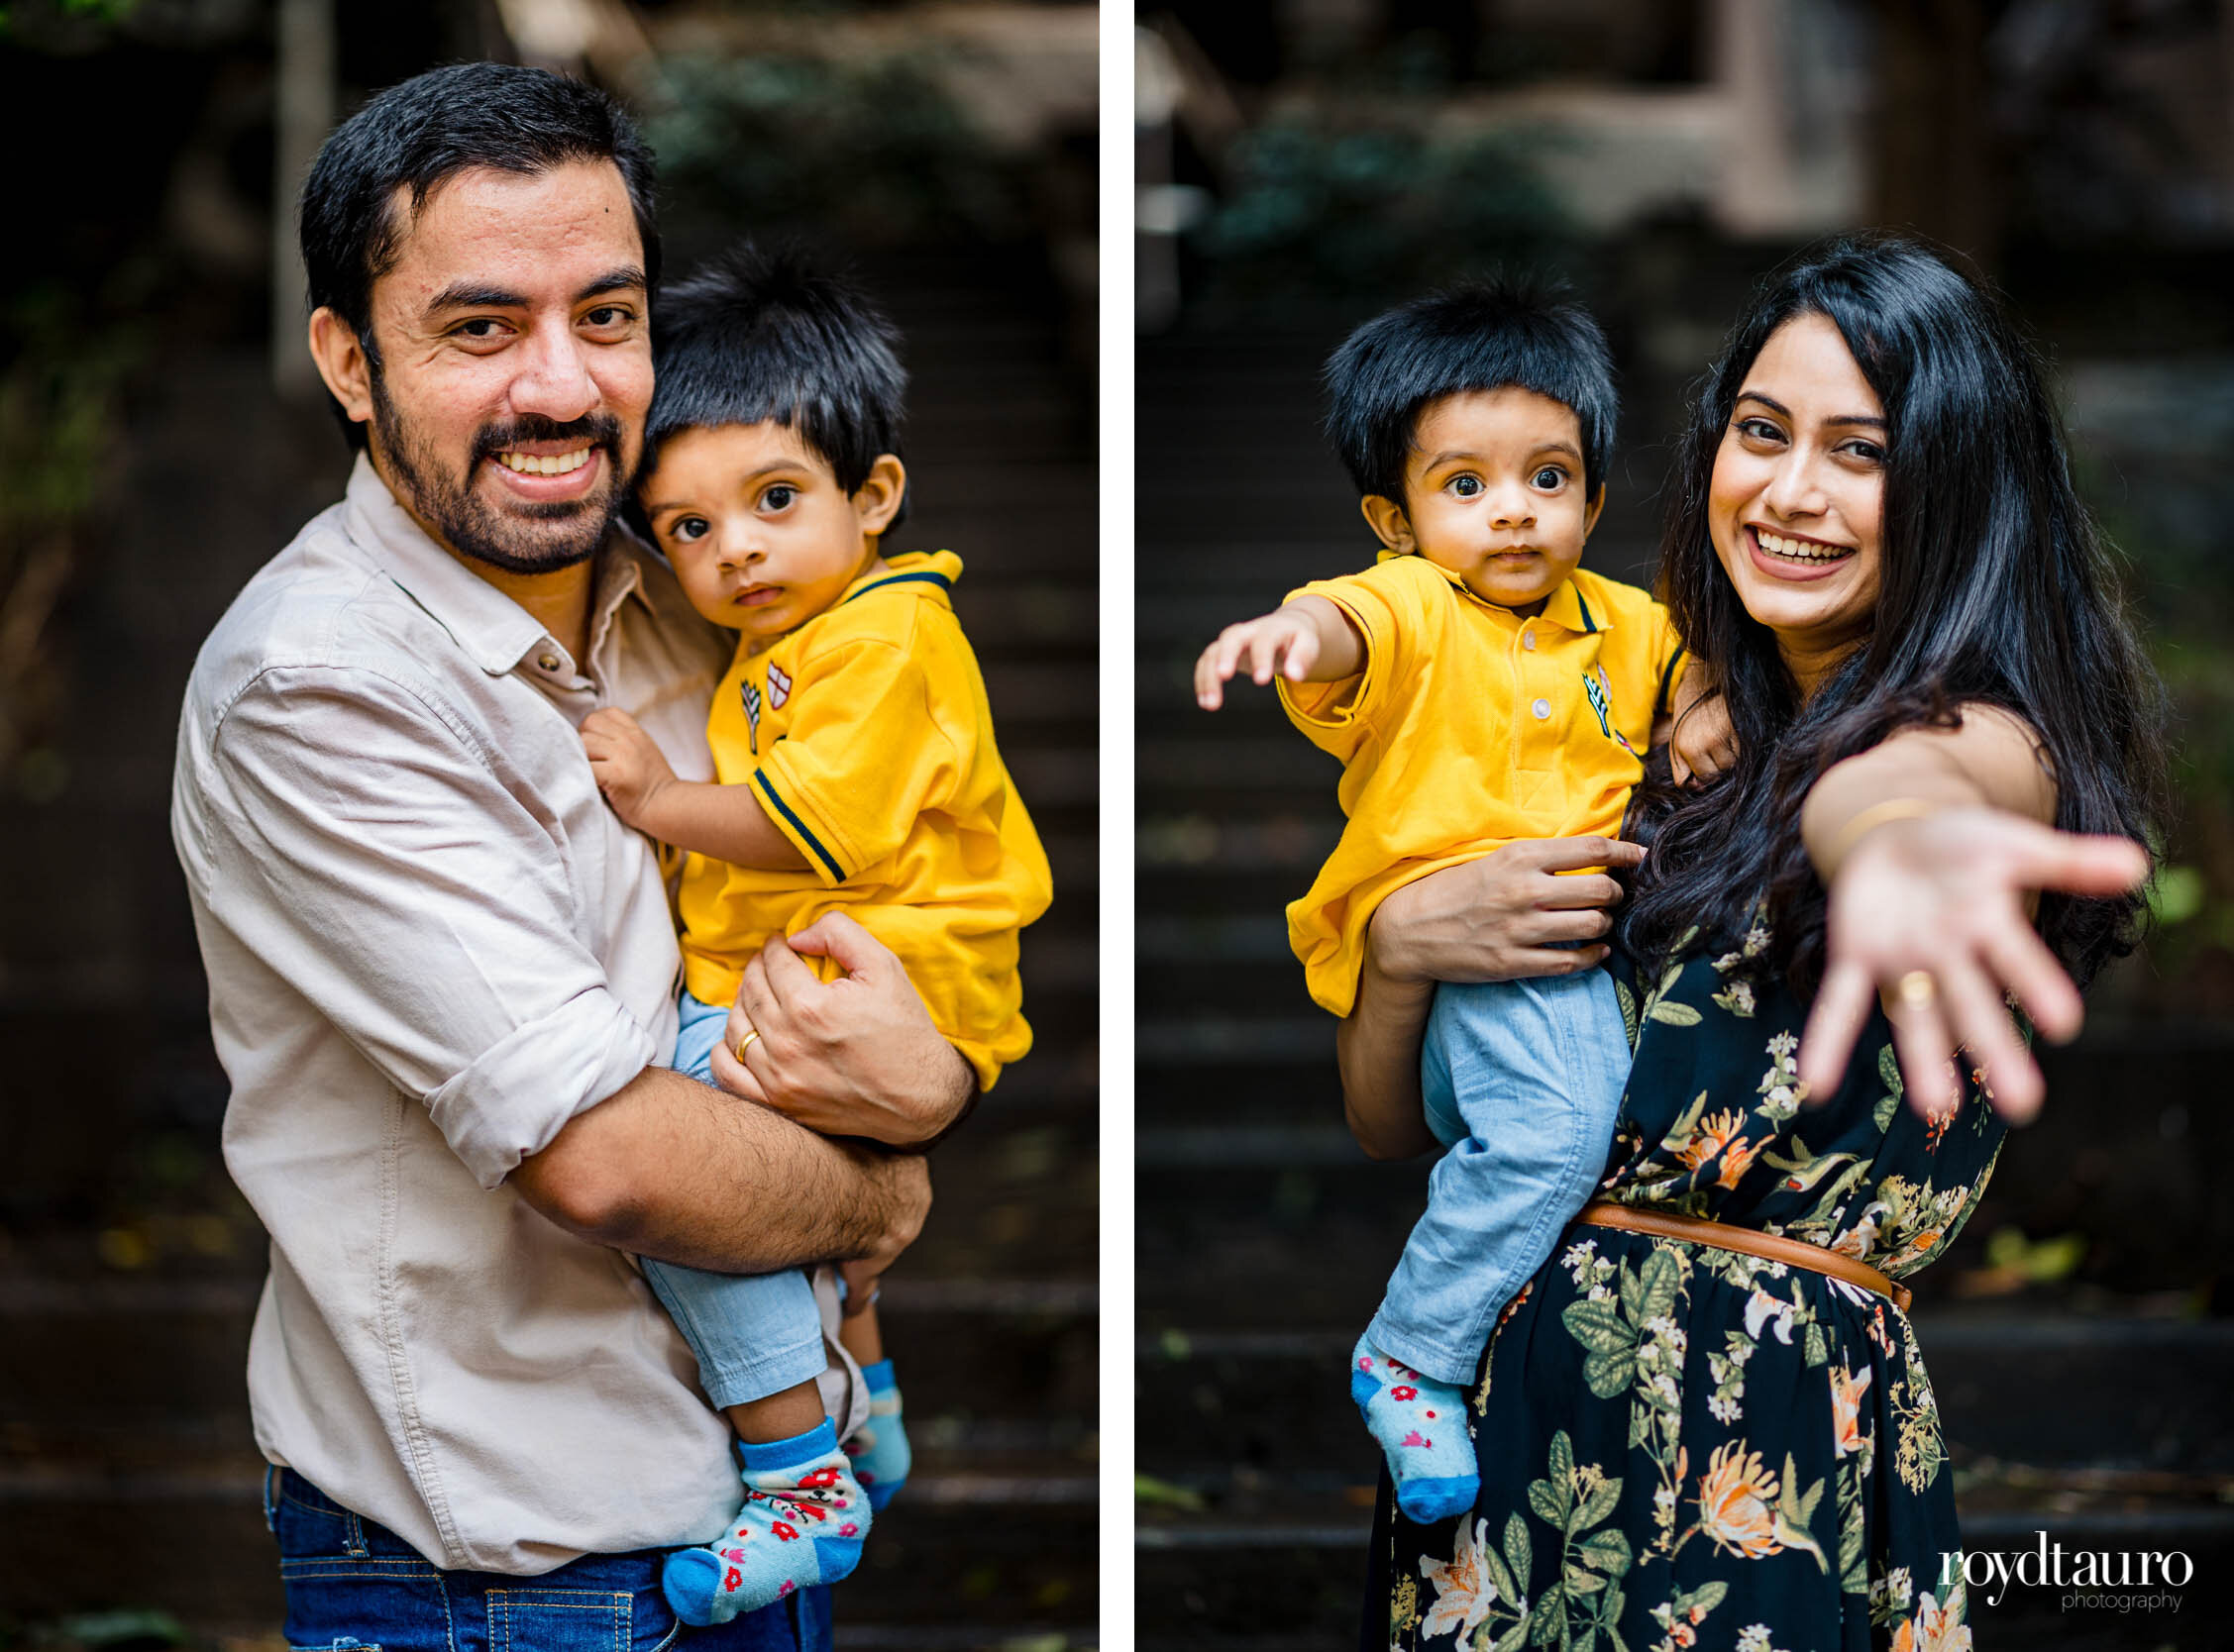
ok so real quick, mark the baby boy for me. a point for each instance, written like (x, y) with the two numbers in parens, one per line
(1479, 688)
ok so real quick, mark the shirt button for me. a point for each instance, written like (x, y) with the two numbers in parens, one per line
(549, 662)
(1528, 640)
(1543, 709)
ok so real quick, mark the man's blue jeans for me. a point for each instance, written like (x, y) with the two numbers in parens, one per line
(1522, 1078)
(353, 1584)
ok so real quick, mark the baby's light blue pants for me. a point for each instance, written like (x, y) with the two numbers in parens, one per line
(755, 1334)
(1522, 1078)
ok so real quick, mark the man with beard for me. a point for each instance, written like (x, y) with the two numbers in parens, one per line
(442, 971)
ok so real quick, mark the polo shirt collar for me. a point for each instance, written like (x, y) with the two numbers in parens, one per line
(1566, 608)
(930, 574)
(494, 632)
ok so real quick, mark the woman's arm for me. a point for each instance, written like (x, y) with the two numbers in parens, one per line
(1377, 1047)
(1492, 919)
(1934, 847)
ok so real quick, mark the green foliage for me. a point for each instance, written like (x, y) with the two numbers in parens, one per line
(2176, 895)
(86, 11)
(2040, 1261)
(64, 368)
(1152, 1493)
(869, 145)
(1320, 205)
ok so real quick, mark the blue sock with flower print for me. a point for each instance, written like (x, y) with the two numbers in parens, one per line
(803, 1522)
(1421, 1426)
(879, 1449)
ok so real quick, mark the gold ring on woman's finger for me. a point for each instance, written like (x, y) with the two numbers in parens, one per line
(745, 1042)
(1916, 990)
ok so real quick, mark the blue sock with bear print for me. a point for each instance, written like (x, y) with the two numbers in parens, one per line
(1421, 1426)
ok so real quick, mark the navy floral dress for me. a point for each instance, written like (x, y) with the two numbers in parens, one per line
(1682, 1446)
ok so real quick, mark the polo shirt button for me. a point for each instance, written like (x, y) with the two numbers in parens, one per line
(1527, 639)
(549, 662)
(1543, 709)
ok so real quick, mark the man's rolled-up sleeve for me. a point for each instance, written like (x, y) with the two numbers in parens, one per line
(413, 886)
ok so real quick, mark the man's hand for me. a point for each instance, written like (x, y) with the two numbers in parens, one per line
(1496, 918)
(1702, 743)
(854, 1057)
(630, 767)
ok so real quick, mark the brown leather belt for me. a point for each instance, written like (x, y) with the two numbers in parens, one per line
(1726, 1236)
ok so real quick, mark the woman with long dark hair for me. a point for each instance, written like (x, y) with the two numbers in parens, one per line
(1706, 1420)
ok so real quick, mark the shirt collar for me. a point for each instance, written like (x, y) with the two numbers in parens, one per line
(1566, 607)
(929, 574)
(496, 632)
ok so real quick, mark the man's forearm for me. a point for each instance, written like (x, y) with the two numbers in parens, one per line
(672, 1169)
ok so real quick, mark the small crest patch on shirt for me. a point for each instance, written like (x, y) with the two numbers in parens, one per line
(779, 686)
(752, 713)
(1601, 696)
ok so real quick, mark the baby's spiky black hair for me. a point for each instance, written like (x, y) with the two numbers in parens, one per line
(1481, 335)
(758, 336)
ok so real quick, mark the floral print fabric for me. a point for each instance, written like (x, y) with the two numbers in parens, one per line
(1682, 1446)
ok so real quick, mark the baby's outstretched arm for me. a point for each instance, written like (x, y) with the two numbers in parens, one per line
(1309, 640)
(720, 822)
(1702, 743)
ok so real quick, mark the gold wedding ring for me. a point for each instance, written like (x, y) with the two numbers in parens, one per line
(1916, 990)
(751, 1033)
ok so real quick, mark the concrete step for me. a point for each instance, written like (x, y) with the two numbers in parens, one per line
(1278, 1044)
(2148, 1395)
(1193, 862)
(1293, 1580)
(139, 1133)
(1268, 1247)
(76, 1380)
(1232, 766)
(998, 1525)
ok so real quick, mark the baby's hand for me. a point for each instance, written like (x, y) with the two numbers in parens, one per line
(861, 1281)
(1284, 641)
(1703, 743)
(630, 769)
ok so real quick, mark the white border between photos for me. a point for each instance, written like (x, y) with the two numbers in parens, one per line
(1114, 483)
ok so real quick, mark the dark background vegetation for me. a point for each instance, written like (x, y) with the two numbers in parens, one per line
(1305, 162)
(159, 441)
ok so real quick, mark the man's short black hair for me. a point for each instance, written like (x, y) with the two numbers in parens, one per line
(424, 132)
(760, 336)
(1482, 335)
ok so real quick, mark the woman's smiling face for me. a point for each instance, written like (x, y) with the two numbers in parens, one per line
(1797, 500)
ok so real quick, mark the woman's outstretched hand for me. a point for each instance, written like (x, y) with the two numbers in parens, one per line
(1934, 914)
(1499, 918)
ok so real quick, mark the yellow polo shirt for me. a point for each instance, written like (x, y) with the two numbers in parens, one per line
(1469, 727)
(866, 736)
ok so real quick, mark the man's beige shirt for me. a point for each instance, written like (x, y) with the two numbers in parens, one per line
(430, 944)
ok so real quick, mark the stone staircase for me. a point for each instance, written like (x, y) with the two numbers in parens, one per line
(128, 1267)
(2097, 1412)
